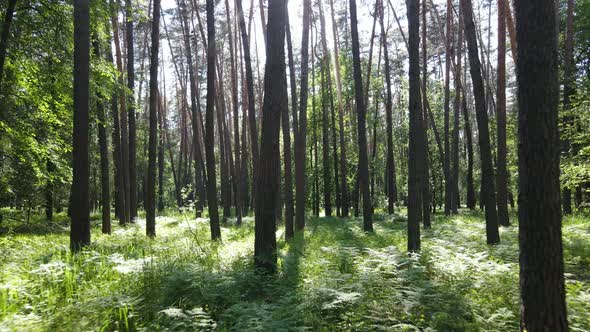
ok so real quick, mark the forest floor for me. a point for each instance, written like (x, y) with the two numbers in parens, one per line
(334, 278)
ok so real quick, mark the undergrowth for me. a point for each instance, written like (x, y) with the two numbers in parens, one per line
(335, 277)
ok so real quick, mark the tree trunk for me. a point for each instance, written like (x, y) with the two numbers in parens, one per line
(344, 200)
(502, 172)
(79, 200)
(150, 206)
(543, 306)
(161, 142)
(425, 183)
(275, 102)
(125, 217)
(456, 120)
(289, 207)
(487, 170)
(301, 132)
(361, 119)
(4, 37)
(415, 144)
(447, 160)
(131, 112)
(209, 125)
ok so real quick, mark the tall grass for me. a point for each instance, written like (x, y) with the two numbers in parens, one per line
(333, 277)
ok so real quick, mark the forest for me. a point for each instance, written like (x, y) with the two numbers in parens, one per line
(303, 165)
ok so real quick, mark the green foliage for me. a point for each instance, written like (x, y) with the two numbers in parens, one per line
(335, 278)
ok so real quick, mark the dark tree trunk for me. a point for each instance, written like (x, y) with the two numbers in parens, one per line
(234, 93)
(470, 200)
(361, 119)
(124, 142)
(161, 142)
(79, 200)
(4, 37)
(150, 206)
(289, 207)
(326, 174)
(105, 192)
(425, 183)
(415, 144)
(502, 172)
(447, 96)
(568, 91)
(487, 170)
(251, 100)
(131, 111)
(543, 306)
(388, 117)
(456, 119)
(209, 125)
(275, 102)
(301, 132)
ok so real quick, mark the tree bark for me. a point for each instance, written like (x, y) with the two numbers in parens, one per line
(79, 200)
(131, 111)
(502, 172)
(361, 119)
(415, 145)
(150, 208)
(447, 160)
(209, 125)
(275, 102)
(543, 306)
(487, 170)
(289, 207)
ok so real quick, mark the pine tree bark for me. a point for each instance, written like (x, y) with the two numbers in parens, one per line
(425, 183)
(361, 121)
(415, 145)
(487, 170)
(131, 112)
(456, 119)
(150, 208)
(161, 142)
(289, 204)
(209, 125)
(447, 111)
(79, 199)
(543, 306)
(301, 133)
(502, 172)
(275, 102)
(5, 34)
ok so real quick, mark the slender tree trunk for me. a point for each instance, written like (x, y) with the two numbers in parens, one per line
(487, 170)
(502, 172)
(150, 206)
(344, 200)
(4, 37)
(425, 183)
(415, 144)
(49, 188)
(275, 102)
(361, 118)
(470, 199)
(301, 132)
(456, 119)
(131, 112)
(543, 306)
(209, 125)
(251, 100)
(125, 217)
(161, 142)
(79, 199)
(289, 205)
(447, 160)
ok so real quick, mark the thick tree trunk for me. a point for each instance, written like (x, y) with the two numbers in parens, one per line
(4, 37)
(79, 199)
(209, 125)
(361, 119)
(150, 206)
(301, 132)
(415, 144)
(275, 102)
(543, 306)
(487, 170)
(131, 111)
(502, 172)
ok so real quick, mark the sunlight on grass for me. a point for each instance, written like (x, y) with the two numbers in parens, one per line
(336, 277)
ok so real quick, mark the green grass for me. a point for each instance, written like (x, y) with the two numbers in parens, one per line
(335, 277)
